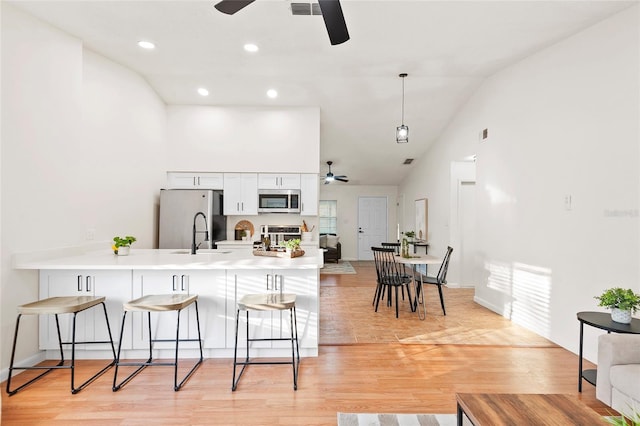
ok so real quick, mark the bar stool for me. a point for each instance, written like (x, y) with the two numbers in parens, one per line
(56, 306)
(268, 302)
(159, 303)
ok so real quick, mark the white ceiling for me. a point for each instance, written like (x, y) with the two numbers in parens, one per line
(446, 47)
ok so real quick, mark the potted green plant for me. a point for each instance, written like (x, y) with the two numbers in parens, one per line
(622, 303)
(621, 420)
(292, 245)
(121, 245)
(410, 234)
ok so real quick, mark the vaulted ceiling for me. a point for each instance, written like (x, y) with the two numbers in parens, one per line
(447, 48)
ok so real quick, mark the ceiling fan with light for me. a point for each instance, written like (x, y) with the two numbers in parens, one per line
(330, 177)
(331, 13)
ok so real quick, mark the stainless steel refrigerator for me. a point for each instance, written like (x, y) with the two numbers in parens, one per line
(178, 209)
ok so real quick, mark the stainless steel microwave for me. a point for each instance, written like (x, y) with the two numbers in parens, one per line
(278, 201)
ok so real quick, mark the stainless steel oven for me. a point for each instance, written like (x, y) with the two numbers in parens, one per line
(279, 201)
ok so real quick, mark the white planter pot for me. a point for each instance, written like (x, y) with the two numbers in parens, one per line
(623, 317)
(123, 251)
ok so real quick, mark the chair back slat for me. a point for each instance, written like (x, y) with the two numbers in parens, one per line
(444, 267)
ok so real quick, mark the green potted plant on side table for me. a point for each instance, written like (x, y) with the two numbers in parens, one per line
(121, 245)
(622, 303)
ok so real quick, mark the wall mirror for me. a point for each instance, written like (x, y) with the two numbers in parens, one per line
(422, 219)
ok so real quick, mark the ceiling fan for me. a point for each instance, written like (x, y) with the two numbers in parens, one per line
(331, 12)
(330, 177)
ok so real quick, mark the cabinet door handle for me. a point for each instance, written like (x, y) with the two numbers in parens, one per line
(88, 283)
(175, 282)
(275, 282)
(194, 181)
(242, 205)
(198, 180)
(182, 280)
(79, 282)
(238, 207)
(268, 275)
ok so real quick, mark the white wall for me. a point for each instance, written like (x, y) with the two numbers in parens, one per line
(82, 144)
(561, 122)
(244, 139)
(347, 201)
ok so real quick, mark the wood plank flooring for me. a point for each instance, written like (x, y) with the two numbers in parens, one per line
(368, 362)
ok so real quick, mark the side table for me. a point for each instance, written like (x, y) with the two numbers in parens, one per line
(602, 321)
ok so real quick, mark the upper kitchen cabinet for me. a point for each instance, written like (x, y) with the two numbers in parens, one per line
(309, 194)
(240, 194)
(190, 180)
(278, 181)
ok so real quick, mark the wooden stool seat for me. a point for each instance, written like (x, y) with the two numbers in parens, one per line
(60, 305)
(161, 302)
(267, 302)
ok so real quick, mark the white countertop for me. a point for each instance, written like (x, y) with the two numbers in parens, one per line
(234, 243)
(165, 259)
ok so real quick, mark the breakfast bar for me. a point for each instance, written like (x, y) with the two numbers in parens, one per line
(219, 278)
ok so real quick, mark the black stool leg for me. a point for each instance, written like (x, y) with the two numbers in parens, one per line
(176, 386)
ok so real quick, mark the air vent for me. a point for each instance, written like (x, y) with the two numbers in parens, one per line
(408, 161)
(305, 9)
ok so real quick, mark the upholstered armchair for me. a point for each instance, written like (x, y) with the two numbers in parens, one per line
(618, 377)
(330, 243)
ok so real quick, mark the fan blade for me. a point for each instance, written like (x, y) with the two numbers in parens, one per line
(341, 178)
(232, 6)
(334, 21)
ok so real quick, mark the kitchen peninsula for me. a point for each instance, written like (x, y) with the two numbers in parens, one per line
(218, 277)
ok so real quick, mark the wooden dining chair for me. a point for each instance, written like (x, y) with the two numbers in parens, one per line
(389, 275)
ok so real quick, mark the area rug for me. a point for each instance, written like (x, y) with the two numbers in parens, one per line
(374, 419)
(342, 267)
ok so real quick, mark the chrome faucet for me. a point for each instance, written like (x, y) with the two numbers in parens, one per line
(194, 248)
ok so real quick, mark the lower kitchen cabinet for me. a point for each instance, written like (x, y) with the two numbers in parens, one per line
(303, 283)
(210, 288)
(114, 285)
(218, 291)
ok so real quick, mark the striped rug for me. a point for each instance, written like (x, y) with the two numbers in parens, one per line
(374, 419)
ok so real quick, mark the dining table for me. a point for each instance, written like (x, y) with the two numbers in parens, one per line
(414, 261)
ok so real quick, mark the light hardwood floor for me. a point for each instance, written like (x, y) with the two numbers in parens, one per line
(368, 362)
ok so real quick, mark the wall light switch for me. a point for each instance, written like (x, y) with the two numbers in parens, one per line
(567, 202)
(90, 234)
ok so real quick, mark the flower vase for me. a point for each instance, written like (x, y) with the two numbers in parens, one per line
(621, 316)
(123, 251)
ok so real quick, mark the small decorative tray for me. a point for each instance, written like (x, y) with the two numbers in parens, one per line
(274, 253)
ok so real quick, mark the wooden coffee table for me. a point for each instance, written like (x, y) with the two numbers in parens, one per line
(525, 409)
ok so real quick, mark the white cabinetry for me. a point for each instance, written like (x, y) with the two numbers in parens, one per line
(266, 324)
(90, 324)
(240, 194)
(278, 181)
(309, 194)
(211, 291)
(189, 180)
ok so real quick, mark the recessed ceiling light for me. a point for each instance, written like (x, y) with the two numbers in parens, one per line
(272, 93)
(250, 47)
(146, 44)
(203, 92)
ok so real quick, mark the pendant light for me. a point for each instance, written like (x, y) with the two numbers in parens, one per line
(402, 131)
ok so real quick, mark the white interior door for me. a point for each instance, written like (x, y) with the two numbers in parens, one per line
(372, 225)
(466, 220)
